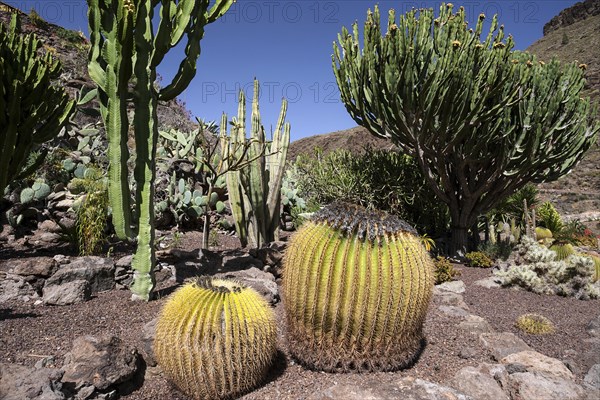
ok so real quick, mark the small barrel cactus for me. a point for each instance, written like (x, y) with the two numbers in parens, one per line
(535, 324)
(215, 339)
(563, 251)
(356, 285)
(542, 234)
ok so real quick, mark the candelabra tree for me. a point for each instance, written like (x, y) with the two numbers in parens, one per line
(126, 49)
(481, 119)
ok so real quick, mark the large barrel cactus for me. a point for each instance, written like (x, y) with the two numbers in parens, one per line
(357, 284)
(215, 339)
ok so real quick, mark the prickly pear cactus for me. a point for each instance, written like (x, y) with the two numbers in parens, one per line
(215, 339)
(356, 284)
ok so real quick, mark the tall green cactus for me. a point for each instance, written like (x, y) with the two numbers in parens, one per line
(255, 190)
(126, 50)
(481, 119)
(32, 109)
(356, 286)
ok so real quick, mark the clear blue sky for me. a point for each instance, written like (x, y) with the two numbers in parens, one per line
(287, 45)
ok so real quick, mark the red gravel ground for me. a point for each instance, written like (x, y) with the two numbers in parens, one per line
(29, 332)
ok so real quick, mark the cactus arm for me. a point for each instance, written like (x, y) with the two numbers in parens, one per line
(187, 68)
(146, 135)
(234, 188)
(254, 178)
(110, 67)
(275, 163)
(10, 137)
(194, 12)
(218, 10)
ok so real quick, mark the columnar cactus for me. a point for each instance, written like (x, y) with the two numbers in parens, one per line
(32, 109)
(125, 45)
(215, 339)
(255, 190)
(481, 119)
(356, 285)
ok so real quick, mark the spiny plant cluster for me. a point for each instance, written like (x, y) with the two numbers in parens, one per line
(356, 287)
(215, 338)
(534, 324)
(541, 272)
(444, 271)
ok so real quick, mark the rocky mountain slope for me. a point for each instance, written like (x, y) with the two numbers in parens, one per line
(574, 34)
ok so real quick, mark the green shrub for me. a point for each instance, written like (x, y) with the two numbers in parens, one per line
(478, 259)
(92, 212)
(376, 179)
(444, 271)
(499, 250)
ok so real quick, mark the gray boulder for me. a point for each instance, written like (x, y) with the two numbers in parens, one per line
(407, 388)
(534, 361)
(42, 267)
(592, 378)
(481, 382)
(451, 299)
(538, 385)
(453, 311)
(148, 333)
(489, 282)
(67, 293)
(16, 288)
(475, 324)
(593, 327)
(262, 282)
(18, 382)
(452, 286)
(104, 363)
(97, 271)
(502, 344)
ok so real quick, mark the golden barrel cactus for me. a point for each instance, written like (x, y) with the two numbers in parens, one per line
(215, 339)
(356, 286)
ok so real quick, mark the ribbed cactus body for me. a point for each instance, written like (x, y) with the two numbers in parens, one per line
(356, 287)
(215, 339)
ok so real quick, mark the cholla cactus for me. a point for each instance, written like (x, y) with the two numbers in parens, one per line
(542, 273)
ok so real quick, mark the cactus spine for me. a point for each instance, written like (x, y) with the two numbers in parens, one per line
(126, 45)
(32, 109)
(255, 190)
(480, 119)
(356, 285)
(215, 339)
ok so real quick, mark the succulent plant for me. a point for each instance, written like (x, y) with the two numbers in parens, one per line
(255, 190)
(535, 324)
(38, 191)
(444, 271)
(215, 338)
(356, 287)
(563, 251)
(478, 259)
(127, 46)
(542, 273)
(34, 110)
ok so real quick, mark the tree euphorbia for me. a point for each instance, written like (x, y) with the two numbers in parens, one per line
(481, 119)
